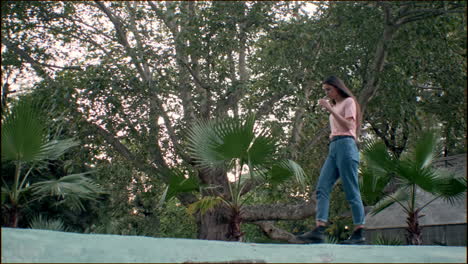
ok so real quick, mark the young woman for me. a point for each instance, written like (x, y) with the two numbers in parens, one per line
(342, 161)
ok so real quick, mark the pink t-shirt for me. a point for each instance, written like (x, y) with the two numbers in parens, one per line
(345, 108)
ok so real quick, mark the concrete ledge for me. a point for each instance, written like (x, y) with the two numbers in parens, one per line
(33, 246)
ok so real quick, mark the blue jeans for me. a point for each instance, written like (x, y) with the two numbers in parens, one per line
(342, 162)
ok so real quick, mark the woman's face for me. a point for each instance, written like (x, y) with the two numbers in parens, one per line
(331, 91)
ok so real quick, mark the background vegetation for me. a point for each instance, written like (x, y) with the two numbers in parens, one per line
(127, 80)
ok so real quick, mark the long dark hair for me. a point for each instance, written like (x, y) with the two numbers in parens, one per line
(345, 92)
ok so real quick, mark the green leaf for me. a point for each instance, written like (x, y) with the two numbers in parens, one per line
(279, 174)
(218, 143)
(377, 157)
(285, 169)
(23, 135)
(236, 138)
(450, 186)
(70, 190)
(204, 205)
(399, 196)
(412, 174)
(203, 144)
(179, 183)
(261, 151)
(39, 222)
(372, 184)
(55, 148)
(425, 149)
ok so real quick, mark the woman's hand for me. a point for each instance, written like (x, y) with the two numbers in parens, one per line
(325, 104)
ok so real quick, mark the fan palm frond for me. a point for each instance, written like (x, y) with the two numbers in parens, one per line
(218, 143)
(372, 184)
(451, 187)
(414, 171)
(53, 149)
(399, 196)
(179, 183)
(204, 205)
(378, 157)
(425, 150)
(23, 134)
(70, 190)
(24, 137)
(412, 174)
(236, 136)
(285, 169)
(40, 222)
(261, 150)
(203, 143)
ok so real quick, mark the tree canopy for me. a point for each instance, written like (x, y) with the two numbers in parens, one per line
(129, 79)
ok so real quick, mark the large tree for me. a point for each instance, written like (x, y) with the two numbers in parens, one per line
(147, 71)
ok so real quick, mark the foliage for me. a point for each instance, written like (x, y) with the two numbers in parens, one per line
(178, 183)
(331, 240)
(26, 144)
(235, 146)
(412, 171)
(383, 240)
(204, 204)
(340, 227)
(128, 78)
(47, 224)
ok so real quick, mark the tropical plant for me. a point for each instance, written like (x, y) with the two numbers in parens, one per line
(383, 240)
(329, 239)
(410, 172)
(227, 57)
(339, 226)
(40, 222)
(26, 143)
(239, 149)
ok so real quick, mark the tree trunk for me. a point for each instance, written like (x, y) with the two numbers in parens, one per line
(13, 216)
(235, 225)
(414, 235)
(215, 225)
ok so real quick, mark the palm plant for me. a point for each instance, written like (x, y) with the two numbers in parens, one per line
(25, 143)
(245, 153)
(40, 222)
(391, 241)
(411, 171)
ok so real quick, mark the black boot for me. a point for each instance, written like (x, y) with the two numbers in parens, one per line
(315, 236)
(356, 238)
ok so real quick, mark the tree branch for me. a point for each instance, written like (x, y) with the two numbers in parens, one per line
(31, 60)
(139, 41)
(122, 38)
(138, 162)
(298, 123)
(169, 23)
(172, 135)
(424, 14)
(322, 132)
(371, 83)
(195, 76)
(267, 106)
(276, 233)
